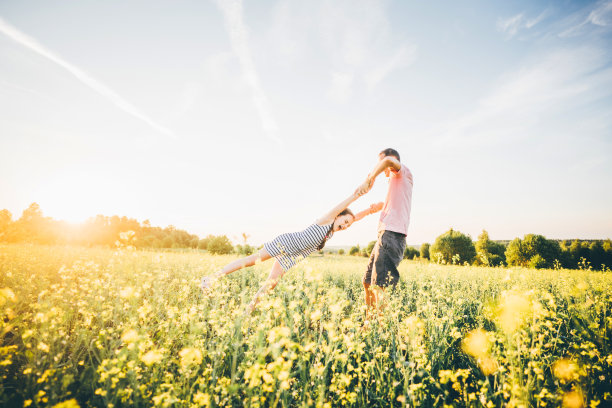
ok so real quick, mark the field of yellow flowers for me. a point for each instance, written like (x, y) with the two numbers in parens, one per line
(117, 328)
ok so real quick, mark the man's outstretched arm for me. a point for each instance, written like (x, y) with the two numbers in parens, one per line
(386, 162)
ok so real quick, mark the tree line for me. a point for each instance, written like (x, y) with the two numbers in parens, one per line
(34, 227)
(452, 247)
(533, 251)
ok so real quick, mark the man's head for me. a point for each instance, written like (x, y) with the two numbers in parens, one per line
(388, 152)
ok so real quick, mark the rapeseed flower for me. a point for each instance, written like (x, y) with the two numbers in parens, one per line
(190, 356)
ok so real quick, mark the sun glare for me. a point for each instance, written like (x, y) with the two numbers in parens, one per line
(73, 198)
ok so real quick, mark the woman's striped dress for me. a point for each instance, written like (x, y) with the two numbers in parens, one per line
(292, 247)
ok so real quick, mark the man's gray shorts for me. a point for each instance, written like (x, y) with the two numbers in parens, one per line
(386, 256)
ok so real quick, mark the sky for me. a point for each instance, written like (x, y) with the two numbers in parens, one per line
(224, 117)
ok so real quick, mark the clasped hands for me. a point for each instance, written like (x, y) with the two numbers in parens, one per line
(364, 187)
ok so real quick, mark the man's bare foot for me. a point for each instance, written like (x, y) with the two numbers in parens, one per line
(366, 326)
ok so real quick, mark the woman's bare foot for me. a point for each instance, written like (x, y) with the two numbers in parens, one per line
(206, 283)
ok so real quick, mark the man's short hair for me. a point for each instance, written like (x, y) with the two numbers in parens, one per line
(391, 152)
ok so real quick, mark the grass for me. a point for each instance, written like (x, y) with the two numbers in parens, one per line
(99, 327)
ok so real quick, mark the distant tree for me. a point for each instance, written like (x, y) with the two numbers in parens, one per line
(245, 249)
(150, 241)
(453, 247)
(424, 251)
(522, 252)
(34, 227)
(6, 218)
(410, 252)
(515, 255)
(578, 250)
(167, 242)
(607, 247)
(341, 251)
(203, 244)
(354, 250)
(220, 245)
(489, 252)
(597, 255)
(537, 262)
(367, 251)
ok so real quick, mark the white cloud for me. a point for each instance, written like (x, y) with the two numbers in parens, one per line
(600, 16)
(403, 57)
(530, 23)
(99, 87)
(513, 25)
(239, 38)
(359, 49)
(357, 35)
(510, 25)
(555, 83)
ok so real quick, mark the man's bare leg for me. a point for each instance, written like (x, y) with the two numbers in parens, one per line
(375, 301)
(380, 301)
(370, 299)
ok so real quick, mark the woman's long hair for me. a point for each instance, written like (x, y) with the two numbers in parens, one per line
(330, 231)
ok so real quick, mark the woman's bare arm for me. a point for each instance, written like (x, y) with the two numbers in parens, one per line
(333, 213)
(374, 208)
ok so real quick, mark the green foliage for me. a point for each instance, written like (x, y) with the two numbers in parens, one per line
(522, 252)
(424, 250)
(219, 245)
(355, 250)
(168, 242)
(203, 243)
(597, 254)
(488, 252)
(341, 251)
(410, 253)
(5, 220)
(453, 247)
(515, 255)
(367, 251)
(537, 262)
(245, 249)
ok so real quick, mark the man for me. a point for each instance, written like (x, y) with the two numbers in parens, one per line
(392, 228)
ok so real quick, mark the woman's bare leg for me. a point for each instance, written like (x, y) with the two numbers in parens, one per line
(233, 266)
(245, 262)
(276, 273)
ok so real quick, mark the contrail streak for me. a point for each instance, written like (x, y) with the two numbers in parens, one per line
(82, 76)
(239, 39)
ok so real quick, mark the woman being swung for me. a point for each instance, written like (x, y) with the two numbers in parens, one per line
(290, 248)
